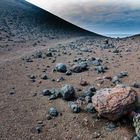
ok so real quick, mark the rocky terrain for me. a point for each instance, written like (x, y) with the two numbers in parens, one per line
(51, 69)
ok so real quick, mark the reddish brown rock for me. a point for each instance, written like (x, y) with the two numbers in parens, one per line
(113, 103)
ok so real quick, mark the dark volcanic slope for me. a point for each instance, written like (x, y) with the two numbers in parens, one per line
(21, 21)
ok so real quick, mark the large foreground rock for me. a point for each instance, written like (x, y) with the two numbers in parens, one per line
(113, 103)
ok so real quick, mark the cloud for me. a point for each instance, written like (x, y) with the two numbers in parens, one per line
(101, 16)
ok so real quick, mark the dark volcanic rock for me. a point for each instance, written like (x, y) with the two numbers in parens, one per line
(67, 92)
(90, 108)
(74, 107)
(122, 74)
(53, 112)
(61, 67)
(136, 123)
(80, 67)
(136, 85)
(101, 69)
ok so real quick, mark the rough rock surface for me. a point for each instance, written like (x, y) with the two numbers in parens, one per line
(113, 103)
(136, 123)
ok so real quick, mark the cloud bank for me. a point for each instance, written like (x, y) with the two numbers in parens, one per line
(100, 16)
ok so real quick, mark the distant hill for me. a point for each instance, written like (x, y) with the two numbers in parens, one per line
(22, 21)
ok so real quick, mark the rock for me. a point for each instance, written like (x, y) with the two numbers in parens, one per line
(53, 112)
(136, 124)
(101, 69)
(54, 94)
(76, 69)
(85, 50)
(116, 80)
(122, 74)
(75, 108)
(38, 54)
(88, 99)
(113, 103)
(38, 129)
(116, 51)
(97, 62)
(44, 77)
(90, 91)
(46, 92)
(12, 92)
(67, 92)
(60, 67)
(28, 59)
(32, 77)
(68, 73)
(83, 83)
(111, 126)
(136, 85)
(136, 138)
(90, 108)
(80, 67)
(49, 54)
(60, 79)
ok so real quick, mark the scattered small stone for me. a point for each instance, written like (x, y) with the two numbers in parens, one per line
(67, 92)
(136, 124)
(49, 117)
(90, 91)
(83, 83)
(61, 68)
(90, 108)
(97, 62)
(122, 74)
(136, 85)
(46, 92)
(49, 54)
(75, 108)
(101, 69)
(60, 79)
(116, 80)
(88, 99)
(34, 95)
(12, 92)
(28, 59)
(44, 77)
(136, 138)
(68, 73)
(53, 112)
(40, 122)
(111, 126)
(80, 67)
(96, 135)
(38, 129)
(32, 77)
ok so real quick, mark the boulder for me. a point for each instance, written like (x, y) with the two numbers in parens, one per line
(113, 103)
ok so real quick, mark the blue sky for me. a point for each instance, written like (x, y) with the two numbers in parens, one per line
(107, 17)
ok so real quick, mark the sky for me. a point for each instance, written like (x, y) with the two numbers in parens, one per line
(115, 18)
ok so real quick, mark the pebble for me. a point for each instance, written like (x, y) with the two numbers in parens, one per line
(75, 108)
(90, 108)
(53, 112)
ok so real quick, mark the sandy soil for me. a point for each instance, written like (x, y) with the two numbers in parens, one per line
(21, 112)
